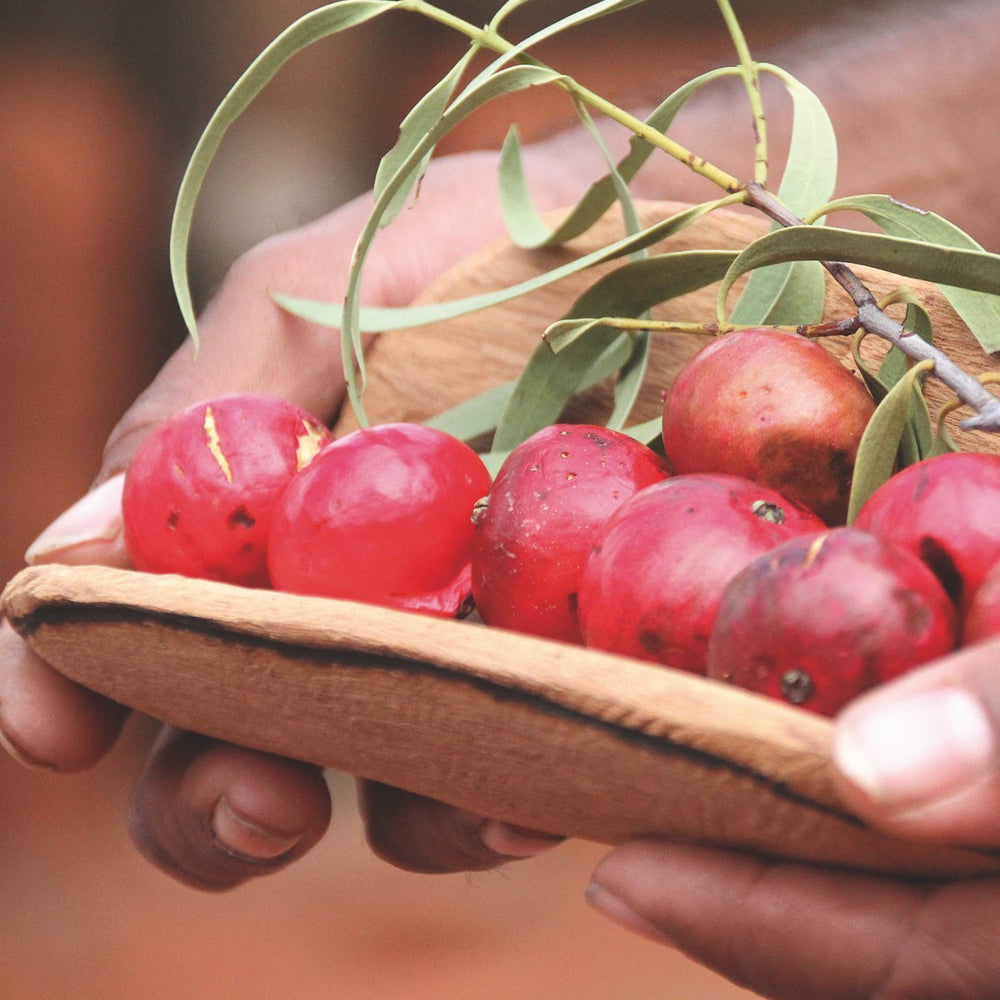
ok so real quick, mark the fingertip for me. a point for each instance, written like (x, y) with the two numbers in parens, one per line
(420, 834)
(213, 815)
(46, 720)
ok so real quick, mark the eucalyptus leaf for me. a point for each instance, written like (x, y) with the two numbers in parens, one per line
(309, 28)
(375, 319)
(548, 381)
(476, 416)
(794, 293)
(526, 227)
(880, 442)
(972, 269)
(981, 313)
(424, 114)
(648, 432)
(485, 89)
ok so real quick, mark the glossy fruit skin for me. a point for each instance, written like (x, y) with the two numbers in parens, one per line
(383, 516)
(653, 581)
(200, 491)
(774, 407)
(825, 617)
(946, 510)
(550, 497)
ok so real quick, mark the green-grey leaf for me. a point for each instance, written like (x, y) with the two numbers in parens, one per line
(379, 319)
(474, 417)
(548, 380)
(972, 269)
(311, 27)
(424, 114)
(475, 95)
(880, 442)
(981, 313)
(526, 227)
(794, 293)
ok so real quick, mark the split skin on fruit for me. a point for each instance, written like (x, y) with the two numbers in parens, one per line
(200, 492)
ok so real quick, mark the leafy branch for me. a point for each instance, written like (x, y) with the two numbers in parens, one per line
(603, 332)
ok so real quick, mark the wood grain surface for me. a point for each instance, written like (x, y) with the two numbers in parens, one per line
(536, 733)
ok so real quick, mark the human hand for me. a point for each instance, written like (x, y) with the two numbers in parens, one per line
(917, 758)
(212, 814)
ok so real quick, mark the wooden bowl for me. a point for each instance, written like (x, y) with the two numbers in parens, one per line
(537, 733)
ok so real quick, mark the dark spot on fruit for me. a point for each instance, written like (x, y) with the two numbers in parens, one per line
(651, 642)
(573, 601)
(172, 518)
(797, 686)
(240, 517)
(598, 439)
(939, 559)
(916, 615)
(768, 510)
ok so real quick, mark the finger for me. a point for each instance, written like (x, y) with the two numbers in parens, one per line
(920, 757)
(422, 835)
(33, 696)
(793, 932)
(45, 719)
(213, 815)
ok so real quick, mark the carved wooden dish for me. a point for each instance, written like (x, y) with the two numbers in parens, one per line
(537, 733)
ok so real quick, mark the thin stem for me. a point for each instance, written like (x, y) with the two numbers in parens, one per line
(488, 38)
(751, 79)
(967, 387)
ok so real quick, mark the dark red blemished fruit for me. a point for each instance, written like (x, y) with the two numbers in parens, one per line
(946, 510)
(652, 583)
(200, 491)
(774, 407)
(536, 528)
(823, 618)
(382, 516)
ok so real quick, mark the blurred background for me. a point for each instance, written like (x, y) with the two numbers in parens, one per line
(100, 104)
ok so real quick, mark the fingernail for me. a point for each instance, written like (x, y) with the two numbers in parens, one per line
(95, 518)
(619, 912)
(514, 841)
(242, 837)
(915, 751)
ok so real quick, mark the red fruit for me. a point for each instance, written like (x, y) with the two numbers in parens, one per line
(200, 491)
(657, 570)
(982, 618)
(548, 501)
(946, 510)
(773, 407)
(825, 617)
(383, 516)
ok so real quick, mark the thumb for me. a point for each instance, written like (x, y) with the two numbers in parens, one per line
(920, 757)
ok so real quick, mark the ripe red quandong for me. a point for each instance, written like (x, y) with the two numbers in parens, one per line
(536, 527)
(383, 516)
(774, 407)
(946, 510)
(827, 616)
(200, 491)
(652, 583)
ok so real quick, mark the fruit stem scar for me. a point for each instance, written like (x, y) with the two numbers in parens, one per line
(215, 444)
